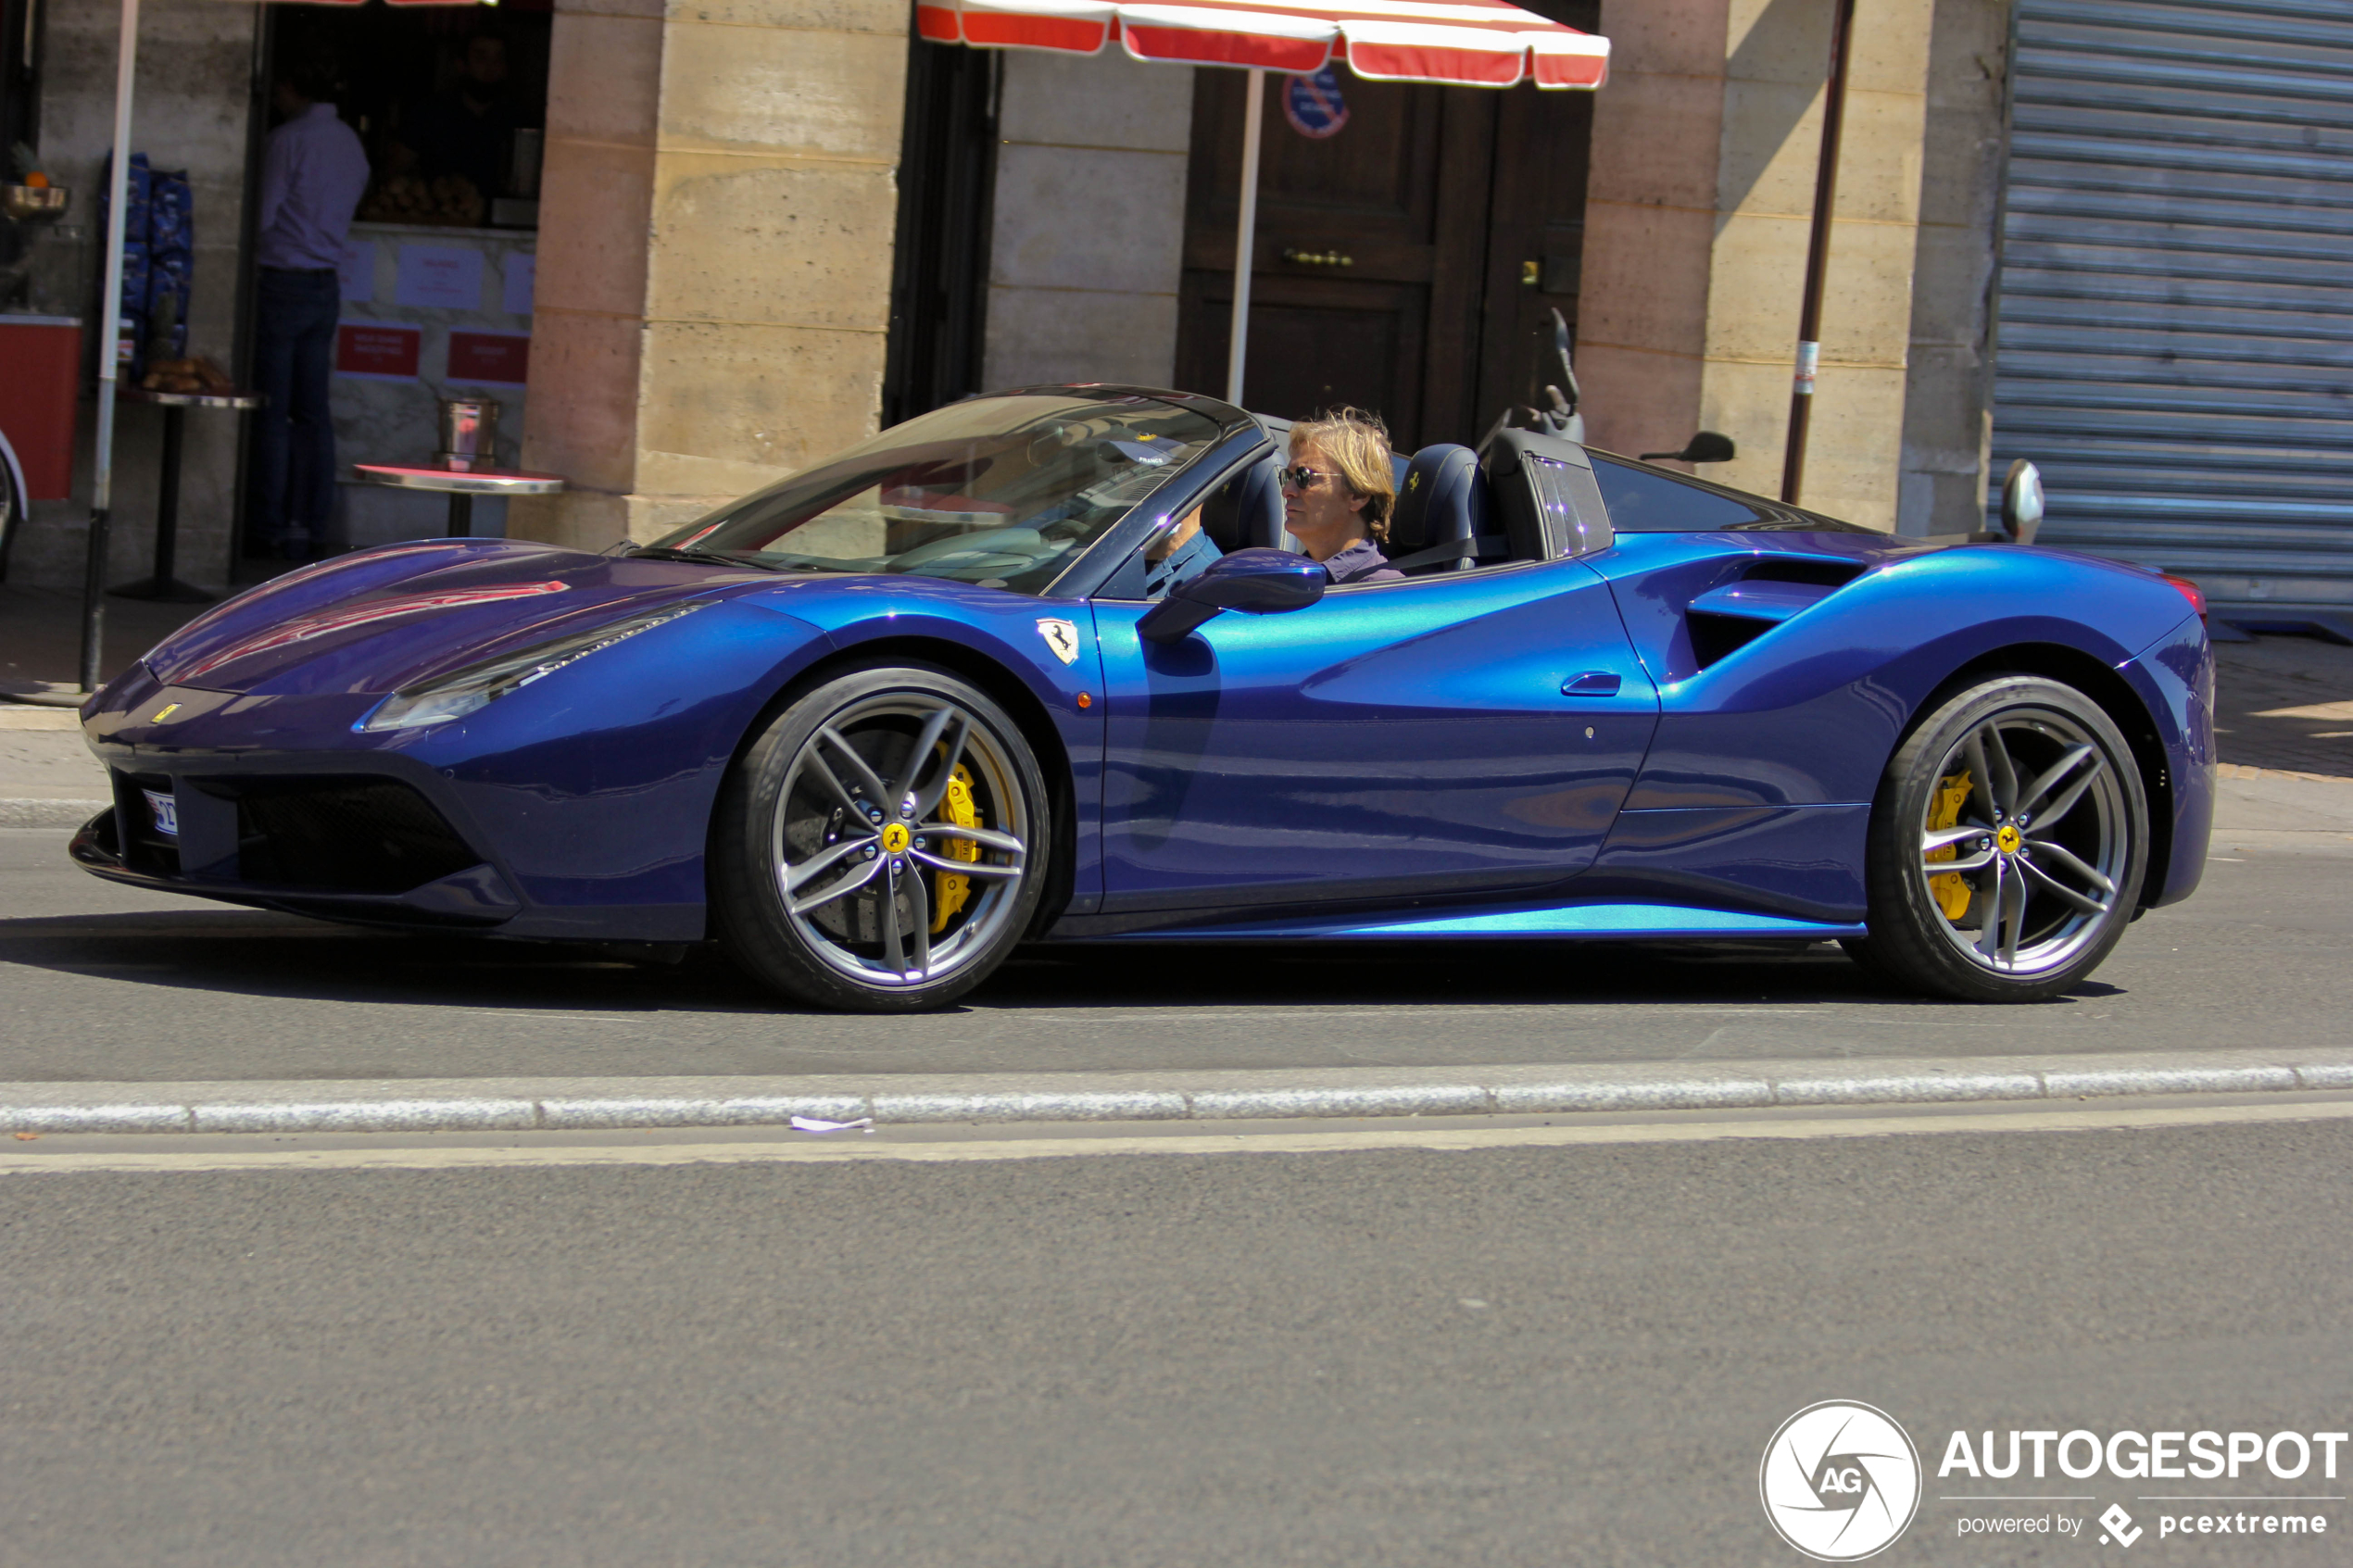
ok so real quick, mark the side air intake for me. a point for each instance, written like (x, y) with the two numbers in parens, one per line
(1725, 620)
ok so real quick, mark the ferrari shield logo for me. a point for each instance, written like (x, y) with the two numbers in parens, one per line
(1063, 637)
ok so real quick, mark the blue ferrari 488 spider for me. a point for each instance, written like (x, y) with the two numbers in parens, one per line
(954, 690)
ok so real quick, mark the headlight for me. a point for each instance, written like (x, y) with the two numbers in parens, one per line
(466, 691)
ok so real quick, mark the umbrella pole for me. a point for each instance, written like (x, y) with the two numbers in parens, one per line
(93, 589)
(1246, 228)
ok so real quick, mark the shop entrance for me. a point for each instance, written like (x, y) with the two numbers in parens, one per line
(1406, 263)
(439, 267)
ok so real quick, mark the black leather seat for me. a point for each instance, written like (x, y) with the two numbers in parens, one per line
(1440, 519)
(1246, 511)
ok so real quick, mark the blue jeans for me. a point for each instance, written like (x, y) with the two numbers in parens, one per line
(291, 489)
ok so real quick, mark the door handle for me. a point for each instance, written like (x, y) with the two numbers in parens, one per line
(1317, 257)
(1593, 683)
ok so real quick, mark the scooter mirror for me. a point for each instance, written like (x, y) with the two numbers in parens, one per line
(2022, 502)
(1707, 447)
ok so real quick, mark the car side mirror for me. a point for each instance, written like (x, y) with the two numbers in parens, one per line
(1707, 447)
(1256, 581)
(2022, 502)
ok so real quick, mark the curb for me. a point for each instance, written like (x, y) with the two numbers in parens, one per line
(580, 1104)
(16, 812)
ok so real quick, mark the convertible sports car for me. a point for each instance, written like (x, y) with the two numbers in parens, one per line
(977, 682)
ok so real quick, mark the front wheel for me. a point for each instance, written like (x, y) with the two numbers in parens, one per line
(882, 845)
(2007, 844)
(15, 505)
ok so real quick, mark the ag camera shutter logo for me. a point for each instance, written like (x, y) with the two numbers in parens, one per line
(1840, 1480)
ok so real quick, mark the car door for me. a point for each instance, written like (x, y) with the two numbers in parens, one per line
(1466, 733)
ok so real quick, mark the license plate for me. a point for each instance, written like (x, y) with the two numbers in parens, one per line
(166, 812)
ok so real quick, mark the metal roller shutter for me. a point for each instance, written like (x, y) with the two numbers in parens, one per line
(2176, 288)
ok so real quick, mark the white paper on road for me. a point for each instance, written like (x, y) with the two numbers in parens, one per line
(818, 1124)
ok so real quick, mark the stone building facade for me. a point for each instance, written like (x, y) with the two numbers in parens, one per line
(713, 302)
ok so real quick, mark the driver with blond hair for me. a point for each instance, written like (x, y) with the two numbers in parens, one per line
(1337, 493)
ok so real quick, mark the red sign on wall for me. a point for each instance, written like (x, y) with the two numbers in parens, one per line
(380, 351)
(489, 358)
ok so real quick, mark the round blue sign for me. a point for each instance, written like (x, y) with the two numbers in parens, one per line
(1312, 104)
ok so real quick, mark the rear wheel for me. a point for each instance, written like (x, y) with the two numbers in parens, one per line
(882, 845)
(2007, 844)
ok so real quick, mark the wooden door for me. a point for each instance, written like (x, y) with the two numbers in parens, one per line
(1535, 244)
(1439, 198)
(1400, 193)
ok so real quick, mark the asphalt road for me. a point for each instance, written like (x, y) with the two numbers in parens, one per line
(101, 983)
(1514, 1356)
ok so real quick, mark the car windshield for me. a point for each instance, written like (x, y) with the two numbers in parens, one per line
(1000, 491)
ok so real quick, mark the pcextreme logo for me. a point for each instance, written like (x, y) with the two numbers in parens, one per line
(1840, 1480)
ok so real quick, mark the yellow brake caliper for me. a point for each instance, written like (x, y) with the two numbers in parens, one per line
(957, 808)
(1952, 889)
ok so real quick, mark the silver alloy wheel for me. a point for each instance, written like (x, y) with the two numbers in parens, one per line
(862, 833)
(2041, 842)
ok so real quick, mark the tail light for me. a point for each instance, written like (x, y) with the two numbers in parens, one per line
(2190, 591)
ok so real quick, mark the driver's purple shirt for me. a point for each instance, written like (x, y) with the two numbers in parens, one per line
(1361, 562)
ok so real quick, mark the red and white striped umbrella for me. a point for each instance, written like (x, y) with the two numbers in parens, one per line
(1460, 42)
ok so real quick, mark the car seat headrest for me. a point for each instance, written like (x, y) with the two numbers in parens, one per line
(1246, 512)
(1441, 498)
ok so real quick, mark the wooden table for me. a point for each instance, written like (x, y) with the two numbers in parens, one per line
(462, 485)
(162, 584)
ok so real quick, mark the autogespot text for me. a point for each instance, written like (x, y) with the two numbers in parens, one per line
(2158, 1456)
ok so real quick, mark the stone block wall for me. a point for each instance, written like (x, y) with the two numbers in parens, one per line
(715, 254)
(1088, 232)
(1705, 151)
(1649, 222)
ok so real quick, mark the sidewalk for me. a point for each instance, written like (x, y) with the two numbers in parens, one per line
(2285, 704)
(40, 635)
(492, 1105)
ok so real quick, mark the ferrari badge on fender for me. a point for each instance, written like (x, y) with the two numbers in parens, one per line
(1063, 637)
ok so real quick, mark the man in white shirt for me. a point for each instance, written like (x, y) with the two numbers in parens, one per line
(313, 171)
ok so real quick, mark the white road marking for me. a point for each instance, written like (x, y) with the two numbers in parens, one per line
(2321, 710)
(25, 1161)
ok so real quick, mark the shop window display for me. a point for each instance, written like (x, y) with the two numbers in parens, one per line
(450, 104)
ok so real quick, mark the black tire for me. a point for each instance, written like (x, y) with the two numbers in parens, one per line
(839, 783)
(2049, 845)
(15, 506)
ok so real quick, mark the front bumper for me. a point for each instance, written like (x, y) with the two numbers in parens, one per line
(339, 847)
(280, 804)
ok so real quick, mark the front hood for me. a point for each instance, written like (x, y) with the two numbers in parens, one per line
(379, 620)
